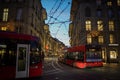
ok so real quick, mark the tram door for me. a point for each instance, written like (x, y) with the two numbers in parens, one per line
(22, 61)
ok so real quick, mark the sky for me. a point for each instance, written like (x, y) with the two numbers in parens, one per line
(58, 18)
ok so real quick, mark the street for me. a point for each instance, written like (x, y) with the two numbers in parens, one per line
(82, 33)
(54, 70)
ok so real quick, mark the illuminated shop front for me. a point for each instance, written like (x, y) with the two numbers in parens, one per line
(111, 53)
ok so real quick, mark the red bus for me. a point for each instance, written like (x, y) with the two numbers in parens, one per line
(82, 56)
(19, 56)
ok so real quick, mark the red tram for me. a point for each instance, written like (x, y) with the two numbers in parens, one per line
(82, 56)
(19, 56)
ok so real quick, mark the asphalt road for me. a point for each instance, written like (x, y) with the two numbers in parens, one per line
(54, 70)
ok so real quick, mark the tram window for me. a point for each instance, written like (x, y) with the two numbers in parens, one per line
(7, 55)
(35, 53)
(34, 58)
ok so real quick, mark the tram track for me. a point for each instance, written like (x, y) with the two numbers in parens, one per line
(52, 67)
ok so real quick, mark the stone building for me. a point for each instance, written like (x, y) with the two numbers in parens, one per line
(23, 16)
(97, 22)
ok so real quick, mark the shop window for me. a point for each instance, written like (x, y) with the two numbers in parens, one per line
(103, 54)
(113, 55)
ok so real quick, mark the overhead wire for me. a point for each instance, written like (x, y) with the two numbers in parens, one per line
(53, 7)
(61, 12)
(63, 9)
(65, 26)
(55, 10)
(59, 22)
(90, 33)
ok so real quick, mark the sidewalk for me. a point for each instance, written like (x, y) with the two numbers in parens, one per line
(112, 65)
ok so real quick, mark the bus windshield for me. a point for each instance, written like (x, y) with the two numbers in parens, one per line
(93, 55)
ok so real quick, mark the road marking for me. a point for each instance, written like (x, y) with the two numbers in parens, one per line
(56, 69)
(51, 72)
(59, 65)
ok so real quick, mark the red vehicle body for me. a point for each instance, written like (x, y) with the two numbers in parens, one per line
(19, 56)
(82, 56)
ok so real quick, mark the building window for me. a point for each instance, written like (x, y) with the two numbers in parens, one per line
(89, 39)
(7, 0)
(100, 25)
(109, 3)
(14, 0)
(103, 53)
(5, 14)
(111, 26)
(100, 39)
(110, 13)
(19, 14)
(113, 54)
(118, 2)
(88, 25)
(99, 13)
(20, 0)
(111, 39)
(87, 12)
(119, 12)
(98, 2)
